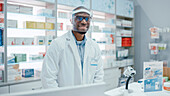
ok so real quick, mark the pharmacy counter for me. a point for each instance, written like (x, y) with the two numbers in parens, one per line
(135, 91)
(24, 80)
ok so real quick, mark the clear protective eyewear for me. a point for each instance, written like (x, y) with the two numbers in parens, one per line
(80, 18)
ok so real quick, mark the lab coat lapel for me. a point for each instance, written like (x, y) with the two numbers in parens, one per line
(74, 49)
(86, 54)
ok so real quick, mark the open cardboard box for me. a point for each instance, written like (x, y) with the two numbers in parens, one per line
(166, 72)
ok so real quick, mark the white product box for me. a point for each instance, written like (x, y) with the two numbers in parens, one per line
(119, 41)
(45, 12)
(10, 41)
(39, 40)
(12, 8)
(19, 41)
(26, 10)
(12, 23)
(118, 23)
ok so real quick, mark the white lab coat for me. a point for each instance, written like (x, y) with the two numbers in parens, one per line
(62, 64)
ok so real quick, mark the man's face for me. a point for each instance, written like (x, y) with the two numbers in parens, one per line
(81, 22)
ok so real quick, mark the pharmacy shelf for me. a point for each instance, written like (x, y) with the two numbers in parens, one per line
(27, 33)
(23, 80)
(126, 36)
(30, 29)
(124, 26)
(31, 49)
(125, 66)
(41, 3)
(103, 32)
(31, 16)
(124, 17)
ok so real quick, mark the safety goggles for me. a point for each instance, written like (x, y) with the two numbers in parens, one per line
(80, 18)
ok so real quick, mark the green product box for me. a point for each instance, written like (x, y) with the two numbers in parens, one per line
(20, 57)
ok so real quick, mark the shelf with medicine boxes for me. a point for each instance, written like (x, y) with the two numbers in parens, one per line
(2, 30)
(103, 32)
(29, 31)
(124, 36)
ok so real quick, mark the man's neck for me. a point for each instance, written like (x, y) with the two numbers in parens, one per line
(78, 36)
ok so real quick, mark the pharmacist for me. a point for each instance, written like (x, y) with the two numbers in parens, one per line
(73, 59)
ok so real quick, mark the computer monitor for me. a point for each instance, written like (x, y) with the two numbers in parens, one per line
(96, 89)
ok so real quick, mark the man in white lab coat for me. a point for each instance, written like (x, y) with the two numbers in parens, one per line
(73, 59)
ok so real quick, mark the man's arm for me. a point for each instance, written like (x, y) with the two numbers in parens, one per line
(50, 68)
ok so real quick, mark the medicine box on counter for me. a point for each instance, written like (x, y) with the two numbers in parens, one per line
(27, 72)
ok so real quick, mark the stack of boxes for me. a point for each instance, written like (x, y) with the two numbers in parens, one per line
(38, 25)
(126, 42)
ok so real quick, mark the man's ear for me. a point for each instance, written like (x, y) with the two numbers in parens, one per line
(71, 20)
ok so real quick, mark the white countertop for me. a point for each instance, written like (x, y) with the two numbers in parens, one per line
(136, 91)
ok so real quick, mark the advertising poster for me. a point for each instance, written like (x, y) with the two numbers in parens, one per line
(153, 74)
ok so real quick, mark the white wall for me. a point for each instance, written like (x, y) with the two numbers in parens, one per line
(149, 13)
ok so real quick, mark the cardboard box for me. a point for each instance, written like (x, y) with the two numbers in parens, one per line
(12, 23)
(40, 25)
(26, 10)
(166, 72)
(49, 26)
(30, 25)
(12, 8)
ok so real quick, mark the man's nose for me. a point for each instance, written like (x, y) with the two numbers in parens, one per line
(83, 21)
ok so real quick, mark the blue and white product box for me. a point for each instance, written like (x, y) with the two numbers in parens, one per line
(153, 74)
(27, 72)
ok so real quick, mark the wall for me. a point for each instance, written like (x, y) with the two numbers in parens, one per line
(149, 13)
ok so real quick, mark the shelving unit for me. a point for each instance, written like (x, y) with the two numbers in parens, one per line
(28, 40)
(104, 30)
(124, 36)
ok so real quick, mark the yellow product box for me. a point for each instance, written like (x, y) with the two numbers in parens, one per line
(30, 25)
(40, 25)
(49, 26)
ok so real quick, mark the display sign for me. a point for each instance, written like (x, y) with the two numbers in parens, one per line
(107, 6)
(125, 8)
(75, 3)
(153, 74)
